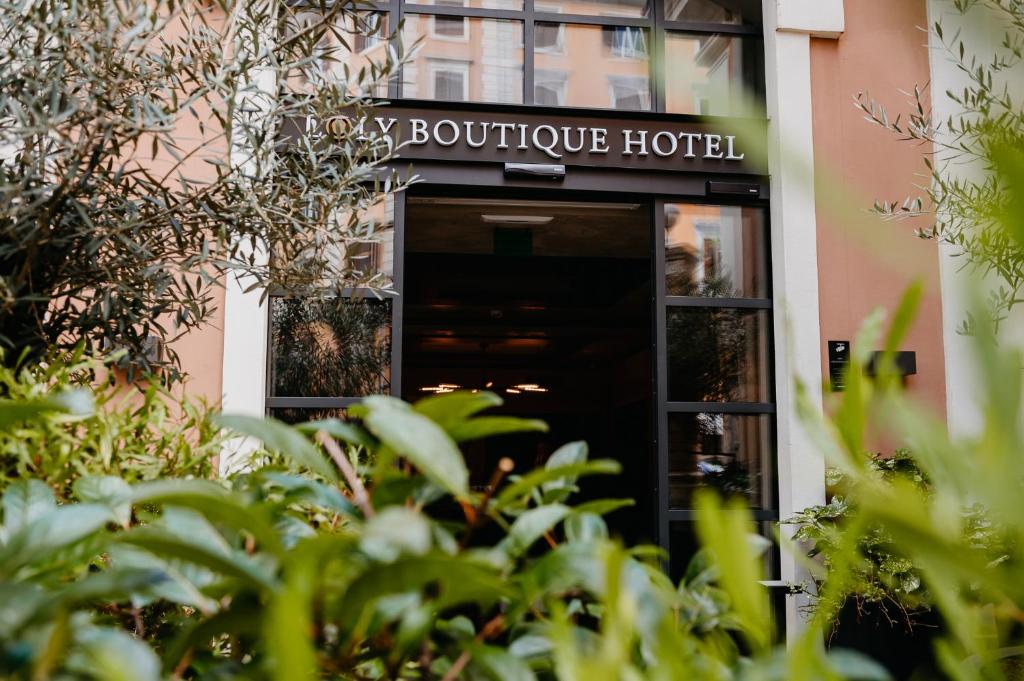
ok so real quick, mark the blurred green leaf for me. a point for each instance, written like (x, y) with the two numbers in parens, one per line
(25, 501)
(281, 438)
(420, 440)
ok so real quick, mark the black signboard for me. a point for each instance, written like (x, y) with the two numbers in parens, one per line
(838, 360)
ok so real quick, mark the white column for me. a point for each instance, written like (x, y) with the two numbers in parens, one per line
(788, 27)
(244, 374)
(982, 32)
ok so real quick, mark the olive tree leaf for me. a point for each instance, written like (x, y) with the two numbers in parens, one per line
(418, 439)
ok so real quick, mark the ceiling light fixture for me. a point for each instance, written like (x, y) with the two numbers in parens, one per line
(517, 219)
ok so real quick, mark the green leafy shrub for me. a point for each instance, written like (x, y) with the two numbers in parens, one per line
(881, 576)
(136, 434)
(368, 557)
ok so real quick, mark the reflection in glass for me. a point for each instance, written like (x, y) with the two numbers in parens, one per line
(602, 8)
(717, 355)
(353, 53)
(507, 5)
(729, 453)
(355, 247)
(714, 11)
(714, 75)
(335, 347)
(462, 59)
(715, 251)
(295, 415)
(592, 66)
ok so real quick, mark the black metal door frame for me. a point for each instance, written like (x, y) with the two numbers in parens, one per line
(463, 179)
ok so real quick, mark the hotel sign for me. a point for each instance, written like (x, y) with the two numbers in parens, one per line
(648, 144)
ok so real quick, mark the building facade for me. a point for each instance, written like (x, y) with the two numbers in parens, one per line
(643, 221)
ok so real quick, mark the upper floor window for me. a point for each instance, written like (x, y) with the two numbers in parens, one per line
(699, 57)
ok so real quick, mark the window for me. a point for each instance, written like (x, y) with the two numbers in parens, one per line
(549, 88)
(450, 81)
(712, 62)
(488, 68)
(626, 42)
(448, 27)
(714, 11)
(630, 93)
(550, 38)
(372, 32)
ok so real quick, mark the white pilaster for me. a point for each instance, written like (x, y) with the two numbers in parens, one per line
(788, 27)
(244, 374)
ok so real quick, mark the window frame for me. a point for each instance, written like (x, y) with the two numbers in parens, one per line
(654, 22)
(436, 66)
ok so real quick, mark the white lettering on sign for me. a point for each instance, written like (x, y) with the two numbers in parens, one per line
(554, 142)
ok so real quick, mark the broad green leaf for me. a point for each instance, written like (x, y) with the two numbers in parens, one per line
(585, 527)
(395, 531)
(531, 526)
(19, 603)
(490, 426)
(573, 452)
(114, 584)
(50, 532)
(24, 501)
(281, 438)
(453, 581)
(77, 402)
(216, 503)
(500, 665)
(419, 440)
(724, 531)
(288, 625)
(526, 484)
(235, 564)
(450, 409)
(339, 430)
(108, 490)
(603, 506)
(314, 492)
(854, 666)
(113, 655)
(183, 582)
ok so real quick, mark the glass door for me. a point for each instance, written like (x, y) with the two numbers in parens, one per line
(549, 305)
(716, 393)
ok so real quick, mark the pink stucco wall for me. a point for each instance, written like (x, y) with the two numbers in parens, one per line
(865, 262)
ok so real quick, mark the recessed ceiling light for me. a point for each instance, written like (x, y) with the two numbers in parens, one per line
(518, 219)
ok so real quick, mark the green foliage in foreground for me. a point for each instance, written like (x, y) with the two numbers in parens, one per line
(105, 429)
(960, 534)
(371, 558)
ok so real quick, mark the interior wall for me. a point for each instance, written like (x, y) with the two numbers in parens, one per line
(865, 262)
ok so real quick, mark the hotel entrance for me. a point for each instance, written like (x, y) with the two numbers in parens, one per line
(640, 323)
(549, 304)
